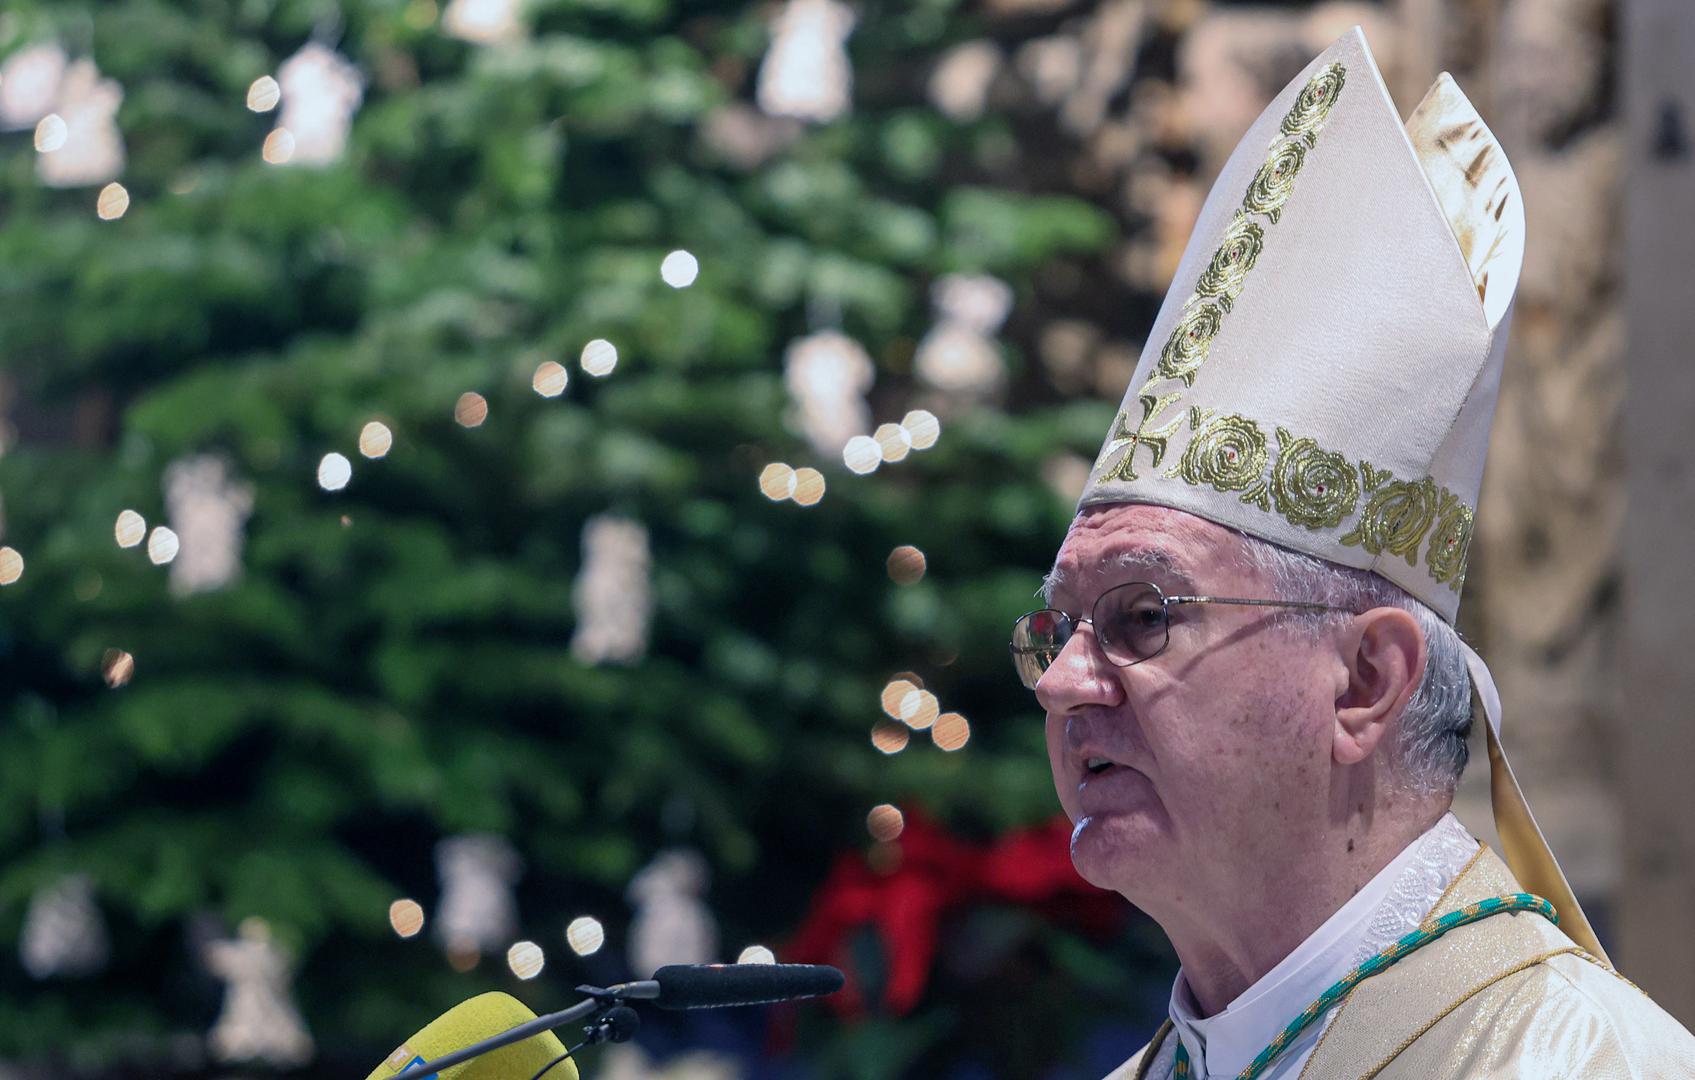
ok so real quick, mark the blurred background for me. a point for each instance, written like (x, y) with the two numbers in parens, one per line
(503, 494)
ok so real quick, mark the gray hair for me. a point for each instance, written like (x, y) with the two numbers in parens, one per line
(1431, 747)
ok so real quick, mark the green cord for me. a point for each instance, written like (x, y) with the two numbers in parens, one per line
(1417, 939)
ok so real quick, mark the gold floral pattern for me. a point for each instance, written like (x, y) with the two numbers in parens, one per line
(1312, 487)
(1224, 276)
(1186, 349)
(1449, 542)
(1396, 517)
(1313, 104)
(1275, 180)
(1229, 453)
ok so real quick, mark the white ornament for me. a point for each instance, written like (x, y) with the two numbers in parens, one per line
(258, 1021)
(320, 93)
(29, 85)
(672, 924)
(208, 511)
(959, 355)
(485, 22)
(806, 73)
(93, 148)
(613, 594)
(477, 913)
(64, 933)
(828, 375)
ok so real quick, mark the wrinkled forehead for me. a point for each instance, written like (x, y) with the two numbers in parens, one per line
(1128, 541)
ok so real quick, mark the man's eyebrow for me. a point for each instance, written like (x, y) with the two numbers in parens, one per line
(1151, 561)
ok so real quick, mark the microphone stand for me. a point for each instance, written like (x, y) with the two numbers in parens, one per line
(599, 1001)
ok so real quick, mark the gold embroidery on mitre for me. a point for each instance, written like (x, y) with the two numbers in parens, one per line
(1275, 180)
(1449, 542)
(1224, 276)
(1313, 104)
(1228, 454)
(1186, 349)
(1155, 439)
(1396, 516)
(1312, 487)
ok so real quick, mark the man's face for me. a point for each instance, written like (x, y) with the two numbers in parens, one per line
(1220, 745)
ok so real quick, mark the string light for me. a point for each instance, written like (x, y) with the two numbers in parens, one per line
(756, 954)
(407, 917)
(51, 133)
(279, 147)
(375, 439)
(117, 667)
(951, 731)
(131, 527)
(585, 935)
(679, 269)
(526, 959)
(334, 471)
(264, 94)
(599, 357)
(113, 202)
(11, 565)
(906, 564)
(550, 379)
(471, 409)
(162, 545)
(893, 442)
(918, 709)
(922, 428)
(890, 738)
(895, 693)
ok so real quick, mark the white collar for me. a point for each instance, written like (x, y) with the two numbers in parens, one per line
(1392, 903)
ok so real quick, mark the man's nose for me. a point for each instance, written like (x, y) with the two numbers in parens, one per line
(1080, 675)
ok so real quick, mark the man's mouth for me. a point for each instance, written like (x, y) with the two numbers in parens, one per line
(1098, 765)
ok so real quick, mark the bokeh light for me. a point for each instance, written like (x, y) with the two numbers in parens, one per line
(130, 528)
(885, 822)
(471, 409)
(550, 378)
(407, 917)
(922, 428)
(895, 692)
(375, 439)
(162, 545)
(756, 954)
(862, 454)
(117, 667)
(809, 486)
(951, 731)
(51, 133)
(893, 443)
(264, 94)
(599, 357)
(918, 709)
(463, 956)
(279, 147)
(890, 738)
(113, 202)
(906, 564)
(11, 565)
(585, 935)
(334, 471)
(679, 269)
(526, 959)
(777, 481)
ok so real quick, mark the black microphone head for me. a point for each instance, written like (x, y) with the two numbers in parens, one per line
(712, 986)
(622, 1022)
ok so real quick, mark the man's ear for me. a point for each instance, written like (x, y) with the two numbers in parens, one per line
(1384, 653)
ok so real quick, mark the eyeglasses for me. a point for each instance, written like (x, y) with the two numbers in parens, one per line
(1132, 623)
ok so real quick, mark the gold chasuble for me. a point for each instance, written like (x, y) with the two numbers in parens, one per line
(1506, 997)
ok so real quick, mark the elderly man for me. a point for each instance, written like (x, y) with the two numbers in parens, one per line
(1257, 706)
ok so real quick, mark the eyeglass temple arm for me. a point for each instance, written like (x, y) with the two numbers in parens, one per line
(1253, 603)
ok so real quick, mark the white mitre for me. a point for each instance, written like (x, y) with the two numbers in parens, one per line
(1324, 369)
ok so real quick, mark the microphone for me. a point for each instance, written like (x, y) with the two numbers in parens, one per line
(714, 986)
(472, 1021)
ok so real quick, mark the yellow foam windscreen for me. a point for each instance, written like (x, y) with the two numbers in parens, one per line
(473, 1021)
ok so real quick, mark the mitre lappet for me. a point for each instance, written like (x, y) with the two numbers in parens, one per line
(1324, 370)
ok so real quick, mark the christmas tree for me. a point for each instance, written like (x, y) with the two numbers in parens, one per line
(560, 423)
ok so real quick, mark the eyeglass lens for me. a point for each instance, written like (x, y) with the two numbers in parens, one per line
(1130, 625)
